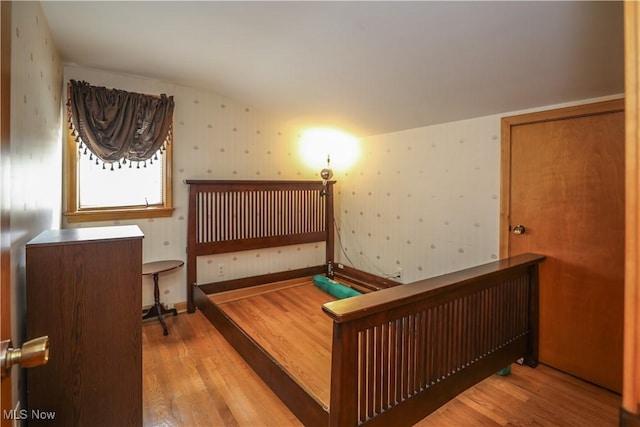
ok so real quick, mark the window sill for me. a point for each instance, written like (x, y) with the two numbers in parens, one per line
(89, 215)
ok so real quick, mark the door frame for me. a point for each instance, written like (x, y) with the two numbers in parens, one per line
(508, 123)
(630, 411)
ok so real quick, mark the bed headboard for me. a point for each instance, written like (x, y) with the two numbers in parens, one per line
(232, 216)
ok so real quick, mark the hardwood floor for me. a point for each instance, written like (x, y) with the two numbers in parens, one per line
(303, 348)
(193, 377)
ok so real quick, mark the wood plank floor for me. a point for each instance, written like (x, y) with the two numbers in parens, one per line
(298, 334)
(193, 377)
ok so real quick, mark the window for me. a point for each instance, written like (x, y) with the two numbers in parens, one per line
(98, 190)
(147, 190)
(97, 194)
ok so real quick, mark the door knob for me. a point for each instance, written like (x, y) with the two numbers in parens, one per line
(33, 353)
(519, 229)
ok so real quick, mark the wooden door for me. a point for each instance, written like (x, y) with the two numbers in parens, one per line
(563, 181)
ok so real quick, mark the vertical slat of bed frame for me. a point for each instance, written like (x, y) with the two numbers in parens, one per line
(384, 389)
(234, 220)
(362, 368)
(378, 396)
(459, 331)
(371, 370)
(260, 217)
(244, 221)
(392, 356)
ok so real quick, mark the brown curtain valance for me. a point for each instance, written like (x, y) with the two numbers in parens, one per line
(118, 126)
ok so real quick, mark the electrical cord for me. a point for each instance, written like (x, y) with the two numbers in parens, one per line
(351, 264)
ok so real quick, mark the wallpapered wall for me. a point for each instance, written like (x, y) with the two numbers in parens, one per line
(34, 188)
(214, 138)
(424, 200)
(35, 123)
(420, 202)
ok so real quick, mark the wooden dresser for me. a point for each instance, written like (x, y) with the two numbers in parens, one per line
(84, 292)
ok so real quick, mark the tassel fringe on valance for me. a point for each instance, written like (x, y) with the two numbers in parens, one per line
(117, 127)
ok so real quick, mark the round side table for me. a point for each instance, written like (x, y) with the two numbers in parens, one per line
(155, 268)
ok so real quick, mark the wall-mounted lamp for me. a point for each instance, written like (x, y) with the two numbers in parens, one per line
(326, 174)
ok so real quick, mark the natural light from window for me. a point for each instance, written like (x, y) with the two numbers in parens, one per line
(122, 187)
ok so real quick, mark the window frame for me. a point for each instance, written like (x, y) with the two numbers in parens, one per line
(73, 213)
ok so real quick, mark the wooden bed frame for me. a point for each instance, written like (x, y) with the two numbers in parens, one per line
(399, 351)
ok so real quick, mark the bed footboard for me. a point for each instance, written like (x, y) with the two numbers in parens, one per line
(400, 353)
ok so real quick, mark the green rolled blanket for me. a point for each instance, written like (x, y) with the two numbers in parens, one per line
(334, 288)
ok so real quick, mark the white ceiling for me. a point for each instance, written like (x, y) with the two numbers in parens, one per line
(367, 67)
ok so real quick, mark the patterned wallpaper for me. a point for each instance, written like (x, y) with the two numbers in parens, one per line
(34, 187)
(35, 121)
(214, 138)
(420, 202)
(423, 201)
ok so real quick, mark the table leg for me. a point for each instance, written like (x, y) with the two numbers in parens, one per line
(158, 309)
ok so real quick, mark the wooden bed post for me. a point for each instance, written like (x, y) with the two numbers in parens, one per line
(330, 223)
(344, 372)
(191, 248)
(531, 358)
